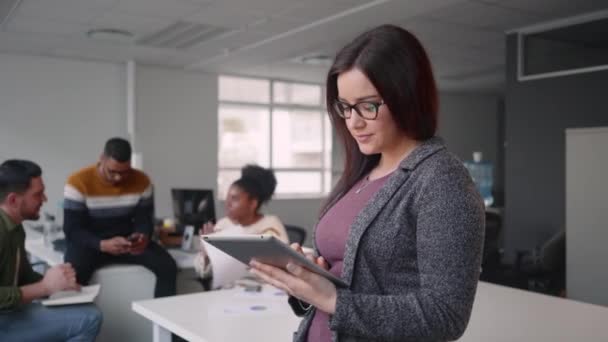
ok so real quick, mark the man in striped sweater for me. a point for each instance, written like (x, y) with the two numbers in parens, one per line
(109, 218)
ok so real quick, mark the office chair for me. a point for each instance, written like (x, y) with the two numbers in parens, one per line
(541, 269)
(544, 267)
(295, 234)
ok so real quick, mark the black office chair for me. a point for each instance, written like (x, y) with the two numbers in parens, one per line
(295, 234)
(544, 267)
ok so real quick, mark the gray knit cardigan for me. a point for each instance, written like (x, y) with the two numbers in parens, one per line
(413, 255)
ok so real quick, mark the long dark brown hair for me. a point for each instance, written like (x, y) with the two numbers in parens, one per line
(397, 65)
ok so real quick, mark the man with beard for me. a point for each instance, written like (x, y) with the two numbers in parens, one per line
(109, 219)
(21, 319)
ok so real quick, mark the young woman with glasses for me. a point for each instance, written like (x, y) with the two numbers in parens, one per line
(403, 227)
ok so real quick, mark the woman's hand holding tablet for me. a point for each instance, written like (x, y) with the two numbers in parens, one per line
(285, 267)
(300, 282)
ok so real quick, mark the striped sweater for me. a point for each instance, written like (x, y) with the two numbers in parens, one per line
(95, 210)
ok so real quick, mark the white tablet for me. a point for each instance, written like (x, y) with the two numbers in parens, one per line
(266, 249)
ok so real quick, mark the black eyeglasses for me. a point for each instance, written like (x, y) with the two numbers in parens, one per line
(368, 110)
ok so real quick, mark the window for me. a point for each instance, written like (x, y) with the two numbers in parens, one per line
(563, 47)
(277, 124)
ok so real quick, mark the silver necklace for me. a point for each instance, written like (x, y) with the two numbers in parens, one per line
(365, 184)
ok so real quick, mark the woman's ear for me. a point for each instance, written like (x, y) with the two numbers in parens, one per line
(253, 204)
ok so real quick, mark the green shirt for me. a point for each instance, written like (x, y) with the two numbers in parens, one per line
(12, 243)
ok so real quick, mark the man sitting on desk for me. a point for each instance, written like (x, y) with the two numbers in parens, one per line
(21, 196)
(109, 217)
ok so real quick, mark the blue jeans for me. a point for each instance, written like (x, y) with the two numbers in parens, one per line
(36, 322)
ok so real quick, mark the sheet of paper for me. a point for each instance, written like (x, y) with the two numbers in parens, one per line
(87, 294)
(226, 269)
(245, 309)
(270, 293)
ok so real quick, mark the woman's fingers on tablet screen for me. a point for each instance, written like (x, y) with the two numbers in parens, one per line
(321, 262)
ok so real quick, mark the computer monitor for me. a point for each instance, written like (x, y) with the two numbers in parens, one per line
(193, 206)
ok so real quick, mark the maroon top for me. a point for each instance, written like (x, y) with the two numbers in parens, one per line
(331, 235)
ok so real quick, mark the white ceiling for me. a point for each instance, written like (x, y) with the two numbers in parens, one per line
(465, 38)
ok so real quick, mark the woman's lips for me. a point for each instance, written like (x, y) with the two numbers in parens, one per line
(363, 138)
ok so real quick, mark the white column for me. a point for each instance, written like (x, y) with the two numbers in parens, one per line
(136, 160)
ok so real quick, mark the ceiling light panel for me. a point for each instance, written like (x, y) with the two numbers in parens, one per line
(182, 35)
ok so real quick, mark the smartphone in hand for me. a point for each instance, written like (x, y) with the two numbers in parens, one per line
(138, 243)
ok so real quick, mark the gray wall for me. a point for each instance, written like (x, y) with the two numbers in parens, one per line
(537, 112)
(59, 113)
(470, 122)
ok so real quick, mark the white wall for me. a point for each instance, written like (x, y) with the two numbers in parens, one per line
(176, 130)
(586, 214)
(59, 113)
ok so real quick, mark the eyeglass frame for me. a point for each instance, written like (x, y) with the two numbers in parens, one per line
(350, 108)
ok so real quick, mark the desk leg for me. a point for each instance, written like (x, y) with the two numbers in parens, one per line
(160, 334)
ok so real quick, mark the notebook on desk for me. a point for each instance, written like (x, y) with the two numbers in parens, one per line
(87, 294)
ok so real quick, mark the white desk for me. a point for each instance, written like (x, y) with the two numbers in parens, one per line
(507, 314)
(224, 315)
(182, 258)
(499, 314)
